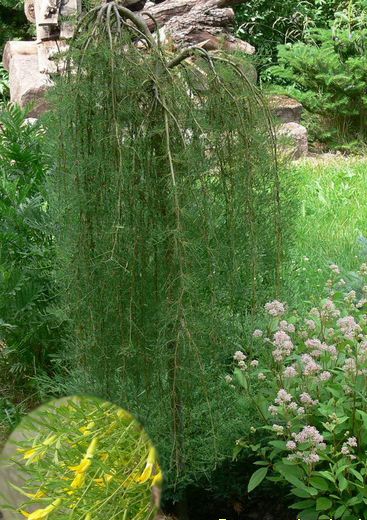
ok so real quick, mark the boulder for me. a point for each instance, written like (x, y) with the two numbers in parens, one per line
(27, 84)
(293, 139)
(286, 109)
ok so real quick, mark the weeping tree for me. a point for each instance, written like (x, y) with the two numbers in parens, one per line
(166, 198)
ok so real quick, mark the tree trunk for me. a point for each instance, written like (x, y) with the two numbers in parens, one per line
(189, 22)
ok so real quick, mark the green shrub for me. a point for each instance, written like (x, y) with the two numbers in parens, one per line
(168, 226)
(27, 330)
(328, 74)
(312, 401)
(267, 23)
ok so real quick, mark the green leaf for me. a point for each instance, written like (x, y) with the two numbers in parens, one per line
(340, 512)
(278, 444)
(300, 493)
(308, 514)
(319, 483)
(302, 504)
(256, 478)
(323, 504)
(343, 483)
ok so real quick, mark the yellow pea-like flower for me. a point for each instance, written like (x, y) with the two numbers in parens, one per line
(38, 494)
(43, 514)
(148, 470)
(158, 479)
(86, 430)
(92, 448)
(78, 481)
(82, 467)
(88, 516)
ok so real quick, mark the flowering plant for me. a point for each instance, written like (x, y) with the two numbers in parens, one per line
(312, 402)
(86, 459)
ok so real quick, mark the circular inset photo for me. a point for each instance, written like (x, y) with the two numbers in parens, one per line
(79, 458)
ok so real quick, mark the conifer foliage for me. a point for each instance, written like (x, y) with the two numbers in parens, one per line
(166, 197)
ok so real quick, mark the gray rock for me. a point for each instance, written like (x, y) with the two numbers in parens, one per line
(286, 109)
(27, 84)
(293, 140)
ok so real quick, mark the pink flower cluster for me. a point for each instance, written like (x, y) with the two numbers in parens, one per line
(349, 327)
(307, 400)
(310, 367)
(318, 348)
(283, 346)
(290, 372)
(315, 441)
(348, 447)
(275, 308)
(285, 400)
(287, 327)
(329, 310)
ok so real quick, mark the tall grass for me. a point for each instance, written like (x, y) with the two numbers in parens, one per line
(331, 219)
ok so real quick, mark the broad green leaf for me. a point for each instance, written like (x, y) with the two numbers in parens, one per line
(302, 504)
(340, 511)
(256, 478)
(308, 514)
(323, 504)
(319, 483)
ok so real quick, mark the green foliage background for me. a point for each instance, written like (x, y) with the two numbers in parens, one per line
(267, 23)
(28, 332)
(13, 23)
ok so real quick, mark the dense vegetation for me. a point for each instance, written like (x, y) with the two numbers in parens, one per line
(142, 237)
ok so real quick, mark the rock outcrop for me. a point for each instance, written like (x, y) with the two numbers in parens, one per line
(27, 84)
(185, 22)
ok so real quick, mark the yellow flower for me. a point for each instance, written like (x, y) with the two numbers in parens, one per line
(33, 454)
(86, 461)
(38, 494)
(104, 480)
(78, 481)
(86, 430)
(148, 470)
(158, 479)
(42, 514)
(88, 516)
(104, 456)
(122, 414)
(92, 448)
(82, 467)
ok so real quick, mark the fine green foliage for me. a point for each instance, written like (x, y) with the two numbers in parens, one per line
(4, 84)
(13, 23)
(328, 74)
(313, 401)
(27, 331)
(168, 226)
(82, 458)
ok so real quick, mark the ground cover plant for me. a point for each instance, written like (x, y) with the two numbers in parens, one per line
(86, 459)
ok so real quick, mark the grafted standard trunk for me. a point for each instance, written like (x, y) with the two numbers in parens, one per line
(210, 22)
